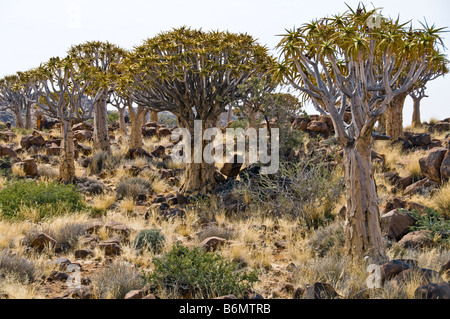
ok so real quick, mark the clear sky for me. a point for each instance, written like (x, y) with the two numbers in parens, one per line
(34, 31)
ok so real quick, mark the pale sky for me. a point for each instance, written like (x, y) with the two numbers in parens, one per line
(34, 31)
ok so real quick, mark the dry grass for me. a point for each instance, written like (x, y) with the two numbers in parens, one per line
(442, 200)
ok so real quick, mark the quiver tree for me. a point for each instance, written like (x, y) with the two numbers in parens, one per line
(121, 104)
(99, 56)
(439, 67)
(60, 86)
(193, 74)
(355, 59)
(14, 96)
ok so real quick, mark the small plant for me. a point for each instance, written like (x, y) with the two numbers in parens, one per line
(442, 200)
(45, 199)
(132, 188)
(117, 280)
(327, 239)
(112, 117)
(150, 239)
(16, 265)
(434, 222)
(201, 274)
(103, 161)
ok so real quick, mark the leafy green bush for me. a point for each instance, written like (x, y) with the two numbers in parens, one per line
(199, 273)
(132, 188)
(112, 117)
(5, 166)
(45, 199)
(433, 221)
(151, 239)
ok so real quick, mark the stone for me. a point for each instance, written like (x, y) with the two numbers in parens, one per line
(300, 123)
(442, 127)
(298, 293)
(82, 135)
(280, 244)
(120, 229)
(28, 141)
(163, 132)
(6, 151)
(320, 290)
(417, 239)
(422, 275)
(53, 150)
(134, 294)
(445, 167)
(421, 139)
(149, 131)
(396, 224)
(160, 151)
(227, 297)
(62, 263)
(110, 248)
(173, 212)
(433, 291)
(391, 204)
(58, 276)
(138, 152)
(394, 267)
(404, 182)
(431, 165)
(42, 241)
(26, 167)
(7, 136)
(212, 243)
(319, 127)
(423, 186)
(94, 226)
(83, 253)
(150, 296)
(232, 169)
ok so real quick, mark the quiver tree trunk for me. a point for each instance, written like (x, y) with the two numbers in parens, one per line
(416, 122)
(137, 120)
(122, 124)
(153, 116)
(18, 119)
(382, 124)
(101, 137)
(28, 123)
(67, 166)
(394, 117)
(363, 232)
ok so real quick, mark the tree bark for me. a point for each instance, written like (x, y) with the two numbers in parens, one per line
(416, 122)
(382, 124)
(363, 232)
(28, 123)
(394, 117)
(101, 137)
(18, 119)
(122, 124)
(153, 116)
(67, 166)
(137, 120)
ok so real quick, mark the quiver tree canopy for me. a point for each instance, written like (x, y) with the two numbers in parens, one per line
(193, 74)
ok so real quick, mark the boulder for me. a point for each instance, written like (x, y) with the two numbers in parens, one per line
(433, 291)
(163, 132)
(28, 141)
(83, 253)
(82, 135)
(417, 239)
(320, 290)
(42, 241)
(111, 247)
(6, 151)
(422, 186)
(232, 169)
(212, 243)
(149, 131)
(300, 123)
(160, 151)
(26, 167)
(418, 140)
(431, 165)
(394, 267)
(135, 294)
(319, 127)
(53, 150)
(395, 224)
(445, 167)
(441, 127)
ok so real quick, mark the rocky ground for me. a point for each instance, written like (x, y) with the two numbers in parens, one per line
(92, 253)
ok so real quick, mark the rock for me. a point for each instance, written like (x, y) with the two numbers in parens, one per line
(404, 182)
(391, 204)
(394, 267)
(319, 290)
(417, 239)
(442, 127)
(117, 228)
(421, 139)
(445, 269)
(445, 167)
(135, 294)
(300, 123)
(433, 291)
(396, 224)
(423, 186)
(431, 165)
(181, 199)
(58, 276)
(151, 296)
(62, 263)
(28, 141)
(226, 297)
(94, 226)
(232, 169)
(83, 253)
(6, 151)
(392, 177)
(298, 293)
(53, 150)
(82, 135)
(163, 132)
(84, 149)
(7, 136)
(149, 131)
(212, 243)
(160, 151)
(288, 287)
(319, 127)
(82, 126)
(42, 241)
(27, 167)
(138, 152)
(110, 248)
(421, 275)
(280, 244)
(81, 293)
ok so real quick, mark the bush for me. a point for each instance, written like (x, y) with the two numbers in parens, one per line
(117, 280)
(16, 265)
(150, 239)
(46, 199)
(132, 188)
(199, 273)
(103, 161)
(112, 117)
(327, 239)
(307, 190)
(434, 222)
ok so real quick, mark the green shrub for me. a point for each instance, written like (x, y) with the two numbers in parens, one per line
(112, 117)
(239, 123)
(46, 199)
(5, 166)
(433, 221)
(132, 188)
(151, 239)
(199, 273)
